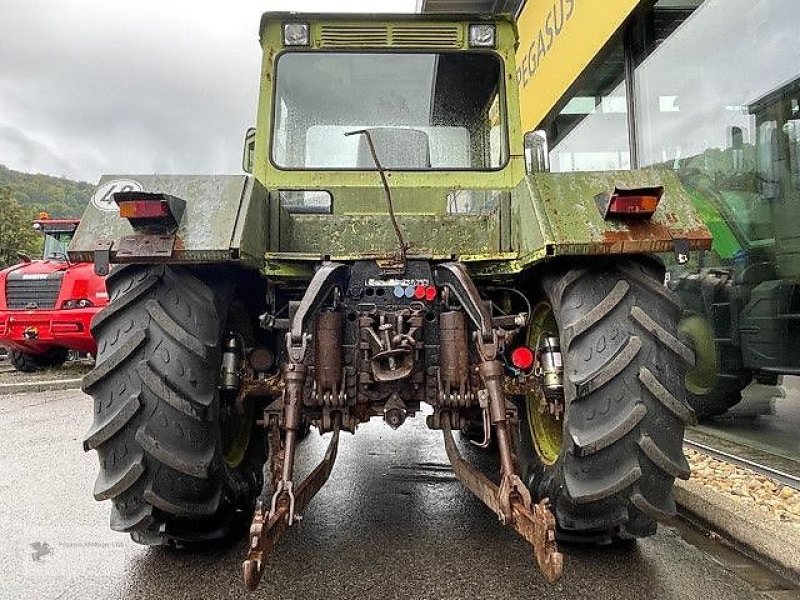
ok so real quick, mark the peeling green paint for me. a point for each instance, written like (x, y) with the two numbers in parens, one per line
(524, 220)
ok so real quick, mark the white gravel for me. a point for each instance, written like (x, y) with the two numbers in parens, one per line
(749, 489)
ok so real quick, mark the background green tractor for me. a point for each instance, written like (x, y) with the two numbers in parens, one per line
(388, 249)
(742, 302)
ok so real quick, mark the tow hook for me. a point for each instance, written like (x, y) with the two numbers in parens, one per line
(31, 333)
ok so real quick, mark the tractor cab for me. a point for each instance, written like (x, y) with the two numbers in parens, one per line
(431, 98)
(57, 236)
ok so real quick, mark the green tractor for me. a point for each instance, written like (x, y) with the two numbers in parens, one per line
(387, 249)
(742, 300)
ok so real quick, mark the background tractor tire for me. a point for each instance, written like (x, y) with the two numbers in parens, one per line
(715, 385)
(30, 363)
(156, 427)
(621, 443)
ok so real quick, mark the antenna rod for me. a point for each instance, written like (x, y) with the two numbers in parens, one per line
(387, 192)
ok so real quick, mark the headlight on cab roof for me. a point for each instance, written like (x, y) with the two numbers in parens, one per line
(481, 35)
(295, 34)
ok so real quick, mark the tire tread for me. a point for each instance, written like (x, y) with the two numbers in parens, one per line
(626, 407)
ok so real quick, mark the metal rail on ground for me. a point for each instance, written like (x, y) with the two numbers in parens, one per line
(764, 470)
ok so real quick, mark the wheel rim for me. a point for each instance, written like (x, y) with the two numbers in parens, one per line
(236, 425)
(235, 430)
(700, 379)
(546, 431)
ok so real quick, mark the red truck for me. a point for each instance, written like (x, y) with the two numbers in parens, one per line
(46, 306)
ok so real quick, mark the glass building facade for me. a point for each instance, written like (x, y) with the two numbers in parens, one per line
(710, 89)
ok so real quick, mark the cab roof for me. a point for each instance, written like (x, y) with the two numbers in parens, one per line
(282, 16)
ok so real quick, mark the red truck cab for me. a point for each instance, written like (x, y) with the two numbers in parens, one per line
(46, 306)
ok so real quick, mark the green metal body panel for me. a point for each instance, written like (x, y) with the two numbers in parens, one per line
(572, 223)
(224, 219)
(548, 214)
(726, 244)
(519, 221)
(370, 235)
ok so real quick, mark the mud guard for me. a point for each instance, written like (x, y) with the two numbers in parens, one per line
(572, 224)
(236, 205)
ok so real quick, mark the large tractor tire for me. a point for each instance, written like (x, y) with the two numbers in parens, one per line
(715, 384)
(608, 466)
(162, 429)
(30, 363)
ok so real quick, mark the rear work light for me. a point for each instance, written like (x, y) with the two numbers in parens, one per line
(481, 35)
(296, 34)
(150, 212)
(633, 202)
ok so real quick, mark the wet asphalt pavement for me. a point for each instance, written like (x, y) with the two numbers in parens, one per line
(392, 522)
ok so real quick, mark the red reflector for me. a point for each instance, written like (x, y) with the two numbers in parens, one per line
(59, 327)
(633, 205)
(430, 293)
(629, 202)
(143, 209)
(419, 292)
(522, 358)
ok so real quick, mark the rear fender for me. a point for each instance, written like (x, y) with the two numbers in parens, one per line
(571, 224)
(224, 220)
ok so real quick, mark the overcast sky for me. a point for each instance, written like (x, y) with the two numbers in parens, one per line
(134, 86)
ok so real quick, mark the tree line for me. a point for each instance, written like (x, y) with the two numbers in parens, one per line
(22, 197)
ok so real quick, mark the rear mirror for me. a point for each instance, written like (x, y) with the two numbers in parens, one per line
(537, 153)
(249, 150)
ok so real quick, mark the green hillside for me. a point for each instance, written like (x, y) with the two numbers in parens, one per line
(58, 196)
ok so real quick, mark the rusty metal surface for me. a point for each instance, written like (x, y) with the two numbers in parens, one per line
(455, 276)
(537, 526)
(402, 244)
(575, 225)
(252, 386)
(454, 358)
(328, 359)
(269, 525)
(328, 277)
(144, 245)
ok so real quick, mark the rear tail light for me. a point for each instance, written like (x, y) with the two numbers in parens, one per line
(633, 205)
(522, 358)
(150, 212)
(635, 202)
(138, 209)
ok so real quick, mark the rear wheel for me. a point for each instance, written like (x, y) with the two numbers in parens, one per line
(608, 464)
(714, 386)
(716, 382)
(178, 463)
(30, 363)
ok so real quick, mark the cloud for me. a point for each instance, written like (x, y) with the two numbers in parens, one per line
(29, 152)
(128, 87)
